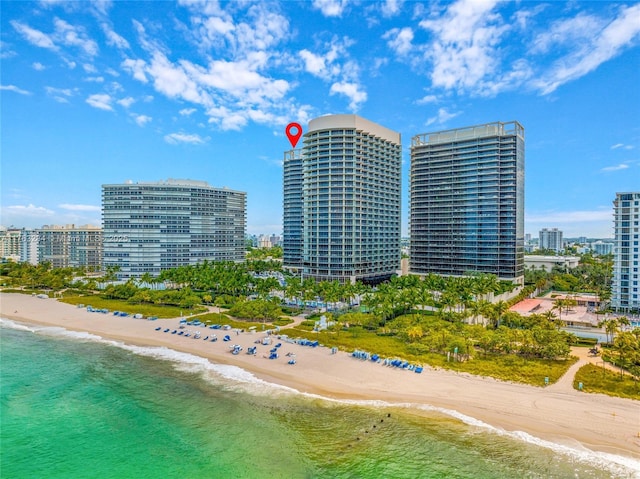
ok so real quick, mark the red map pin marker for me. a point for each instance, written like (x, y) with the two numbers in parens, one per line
(293, 137)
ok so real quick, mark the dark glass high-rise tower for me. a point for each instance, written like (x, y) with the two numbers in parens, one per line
(292, 210)
(467, 201)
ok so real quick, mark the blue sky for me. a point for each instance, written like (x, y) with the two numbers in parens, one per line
(104, 92)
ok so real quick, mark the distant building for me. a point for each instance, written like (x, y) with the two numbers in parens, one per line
(548, 262)
(601, 247)
(29, 246)
(265, 241)
(467, 201)
(551, 239)
(70, 246)
(342, 196)
(151, 227)
(527, 238)
(626, 256)
(10, 243)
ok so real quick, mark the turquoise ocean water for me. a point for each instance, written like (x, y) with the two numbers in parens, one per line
(77, 406)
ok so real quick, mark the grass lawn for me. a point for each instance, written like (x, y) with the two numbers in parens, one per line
(596, 380)
(120, 305)
(505, 367)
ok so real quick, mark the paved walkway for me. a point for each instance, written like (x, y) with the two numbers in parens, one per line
(565, 383)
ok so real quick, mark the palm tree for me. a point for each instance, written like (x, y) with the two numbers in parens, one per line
(559, 305)
(499, 308)
(549, 315)
(610, 328)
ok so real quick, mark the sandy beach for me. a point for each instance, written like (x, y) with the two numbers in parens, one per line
(557, 413)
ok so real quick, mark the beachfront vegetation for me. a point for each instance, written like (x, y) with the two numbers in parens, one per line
(97, 302)
(598, 379)
(449, 322)
(440, 344)
(264, 253)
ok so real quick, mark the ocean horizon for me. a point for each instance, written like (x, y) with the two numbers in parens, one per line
(79, 405)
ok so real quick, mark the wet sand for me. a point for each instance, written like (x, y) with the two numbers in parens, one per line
(557, 413)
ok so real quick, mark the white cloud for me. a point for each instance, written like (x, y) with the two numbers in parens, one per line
(77, 207)
(390, 8)
(463, 53)
(328, 65)
(101, 101)
(335, 67)
(136, 68)
(71, 35)
(621, 166)
(141, 120)
(227, 119)
(61, 95)
(399, 40)
(260, 28)
(38, 66)
(172, 80)
(427, 99)
(126, 102)
(442, 117)
(176, 138)
(14, 89)
(94, 79)
(314, 64)
(33, 36)
(29, 210)
(330, 8)
(64, 34)
(351, 91)
(233, 88)
(113, 38)
(591, 41)
(623, 146)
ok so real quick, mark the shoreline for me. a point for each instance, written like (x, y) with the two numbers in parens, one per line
(560, 415)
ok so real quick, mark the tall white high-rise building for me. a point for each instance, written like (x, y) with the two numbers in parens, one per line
(150, 227)
(342, 201)
(467, 201)
(551, 239)
(626, 256)
(29, 246)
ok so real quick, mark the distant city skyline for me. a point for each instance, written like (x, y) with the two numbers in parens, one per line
(102, 92)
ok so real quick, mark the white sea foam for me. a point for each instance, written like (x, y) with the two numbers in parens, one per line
(236, 378)
(9, 324)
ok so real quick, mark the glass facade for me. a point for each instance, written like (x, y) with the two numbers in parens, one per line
(292, 209)
(150, 227)
(626, 256)
(350, 197)
(467, 201)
